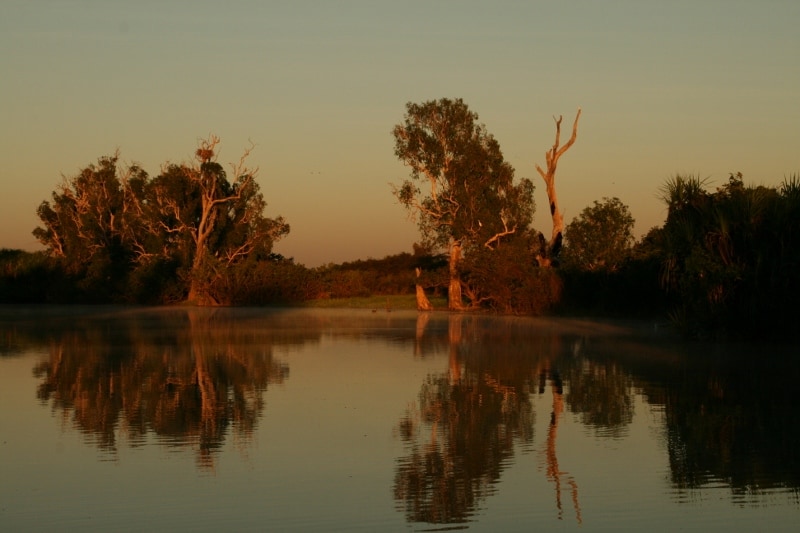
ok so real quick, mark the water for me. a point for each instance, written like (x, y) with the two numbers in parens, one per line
(179, 419)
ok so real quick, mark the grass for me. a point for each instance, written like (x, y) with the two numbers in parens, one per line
(401, 301)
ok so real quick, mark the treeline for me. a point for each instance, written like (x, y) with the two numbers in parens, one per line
(724, 264)
(40, 278)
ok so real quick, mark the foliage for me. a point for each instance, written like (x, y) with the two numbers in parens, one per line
(501, 279)
(604, 271)
(25, 277)
(128, 237)
(461, 190)
(470, 195)
(731, 257)
(394, 274)
(85, 227)
(375, 303)
(600, 238)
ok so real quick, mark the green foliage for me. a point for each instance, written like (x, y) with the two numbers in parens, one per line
(461, 188)
(272, 281)
(124, 236)
(375, 303)
(155, 282)
(600, 238)
(24, 276)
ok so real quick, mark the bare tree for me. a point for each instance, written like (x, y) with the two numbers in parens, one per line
(552, 156)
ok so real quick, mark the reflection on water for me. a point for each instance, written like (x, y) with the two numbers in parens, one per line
(468, 421)
(187, 375)
(192, 379)
(731, 416)
(462, 430)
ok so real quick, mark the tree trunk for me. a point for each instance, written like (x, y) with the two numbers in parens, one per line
(423, 304)
(199, 285)
(549, 176)
(454, 302)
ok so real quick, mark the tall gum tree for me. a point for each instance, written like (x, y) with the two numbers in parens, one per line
(461, 191)
(549, 253)
(216, 221)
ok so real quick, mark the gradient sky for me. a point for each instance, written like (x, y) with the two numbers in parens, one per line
(706, 87)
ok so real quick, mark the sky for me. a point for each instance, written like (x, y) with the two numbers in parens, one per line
(701, 87)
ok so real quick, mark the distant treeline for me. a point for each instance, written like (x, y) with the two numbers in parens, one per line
(39, 278)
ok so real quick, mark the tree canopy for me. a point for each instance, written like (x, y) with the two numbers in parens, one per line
(191, 220)
(461, 191)
(600, 237)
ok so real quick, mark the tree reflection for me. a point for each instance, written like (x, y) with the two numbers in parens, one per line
(554, 472)
(460, 433)
(469, 420)
(602, 393)
(188, 376)
(734, 419)
(473, 424)
(729, 410)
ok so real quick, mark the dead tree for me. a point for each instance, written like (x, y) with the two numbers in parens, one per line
(549, 253)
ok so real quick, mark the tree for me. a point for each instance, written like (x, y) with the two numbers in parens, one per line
(600, 238)
(109, 220)
(469, 198)
(730, 257)
(207, 221)
(549, 253)
(84, 226)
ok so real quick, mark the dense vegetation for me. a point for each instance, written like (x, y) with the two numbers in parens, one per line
(724, 264)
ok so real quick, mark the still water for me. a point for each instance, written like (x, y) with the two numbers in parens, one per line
(184, 419)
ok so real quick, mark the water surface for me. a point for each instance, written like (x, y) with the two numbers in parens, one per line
(133, 419)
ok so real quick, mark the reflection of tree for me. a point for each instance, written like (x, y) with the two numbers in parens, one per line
(462, 433)
(554, 472)
(474, 414)
(473, 425)
(735, 420)
(186, 376)
(602, 394)
(730, 410)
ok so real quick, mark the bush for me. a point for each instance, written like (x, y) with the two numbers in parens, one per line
(508, 280)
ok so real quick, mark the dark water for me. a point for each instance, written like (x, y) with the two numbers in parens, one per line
(333, 420)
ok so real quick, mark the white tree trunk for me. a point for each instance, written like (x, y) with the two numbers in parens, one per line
(423, 304)
(454, 301)
(549, 176)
